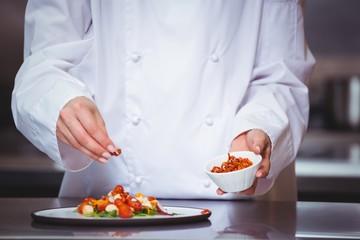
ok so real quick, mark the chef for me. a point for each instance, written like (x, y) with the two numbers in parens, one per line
(171, 83)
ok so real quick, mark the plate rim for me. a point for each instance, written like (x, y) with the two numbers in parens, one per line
(121, 221)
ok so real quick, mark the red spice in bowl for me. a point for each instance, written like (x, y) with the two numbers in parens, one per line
(232, 164)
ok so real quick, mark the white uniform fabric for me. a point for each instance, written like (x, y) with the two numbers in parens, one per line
(175, 81)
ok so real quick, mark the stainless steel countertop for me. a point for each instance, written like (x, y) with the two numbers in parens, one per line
(229, 220)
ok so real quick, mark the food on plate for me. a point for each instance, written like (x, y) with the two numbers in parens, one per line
(205, 211)
(232, 164)
(119, 203)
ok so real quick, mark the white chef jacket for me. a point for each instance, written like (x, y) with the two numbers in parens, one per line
(175, 81)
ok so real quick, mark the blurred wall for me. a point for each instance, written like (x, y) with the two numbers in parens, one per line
(333, 34)
(11, 49)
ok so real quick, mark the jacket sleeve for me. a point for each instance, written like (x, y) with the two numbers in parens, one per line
(57, 52)
(277, 98)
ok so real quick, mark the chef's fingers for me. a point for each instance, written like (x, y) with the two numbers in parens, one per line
(71, 116)
(248, 192)
(257, 140)
(62, 132)
(219, 191)
(67, 136)
(94, 125)
(64, 135)
(260, 143)
(265, 164)
(239, 143)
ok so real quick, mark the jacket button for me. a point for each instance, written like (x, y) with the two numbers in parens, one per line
(138, 179)
(206, 183)
(209, 121)
(135, 120)
(214, 58)
(135, 57)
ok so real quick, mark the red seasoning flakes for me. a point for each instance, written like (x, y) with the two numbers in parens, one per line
(116, 153)
(232, 164)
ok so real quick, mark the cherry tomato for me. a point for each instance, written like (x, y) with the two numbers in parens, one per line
(117, 190)
(119, 201)
(134, 203)
(151, 198)
(80, 207)
(124, 210)
(89, 200)
(101, 207)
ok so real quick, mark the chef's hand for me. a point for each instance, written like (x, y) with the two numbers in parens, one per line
(81, 126)
(258, 142)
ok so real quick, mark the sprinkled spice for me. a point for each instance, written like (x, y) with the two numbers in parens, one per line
(232, 164)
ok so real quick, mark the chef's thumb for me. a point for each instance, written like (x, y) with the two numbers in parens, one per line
(265, 163)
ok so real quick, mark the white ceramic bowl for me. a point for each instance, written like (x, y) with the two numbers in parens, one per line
(235, 181)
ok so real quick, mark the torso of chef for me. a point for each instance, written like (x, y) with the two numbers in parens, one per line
(169, 78)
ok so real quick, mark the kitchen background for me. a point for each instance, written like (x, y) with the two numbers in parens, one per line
(328, 163)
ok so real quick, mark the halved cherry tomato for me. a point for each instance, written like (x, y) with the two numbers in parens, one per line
(89, 200)
(80, 207)
(134, 203)
(117, 190)
(124, 210)
(101, 207)
(119, 201)
(151, 198)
